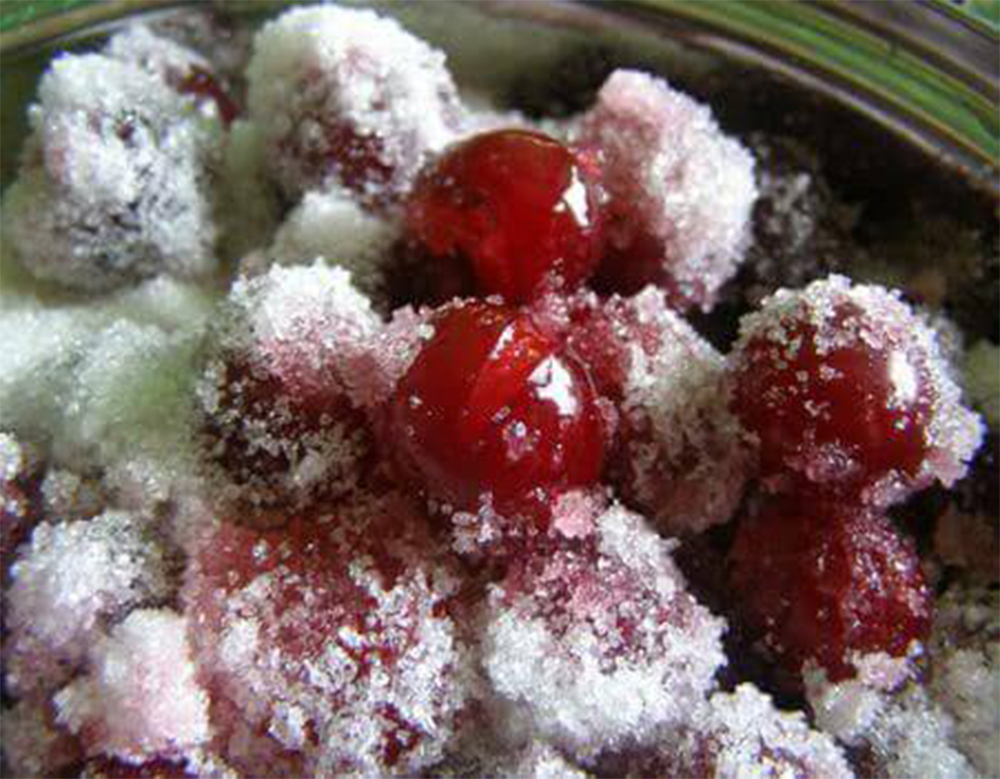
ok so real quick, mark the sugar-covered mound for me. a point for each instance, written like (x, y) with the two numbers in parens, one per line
(848, 392)
(679, 457)
(599, 642)
(107, 385)
(138, 697)
(681, 191)
(348, 96)
(900, 731)
(284, 385)
(68, 583)
(182, 68)
(113, 184)
(330, 640)
(332, 224)
(738, 735)
(965, 671)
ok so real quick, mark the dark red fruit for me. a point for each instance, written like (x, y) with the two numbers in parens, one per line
(520, 207)
(491, 405)
(847, 412)
(822, 580)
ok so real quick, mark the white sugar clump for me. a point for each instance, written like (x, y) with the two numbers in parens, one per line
(139, 697)
(965, 670)
(742, 735)
(284, 381)
(113, 184)
(107, 386)
(682, 457)
(131, 406)
(331, 639)
(345, 95)
(69, 580)
(838, 315)
(309, 321)
(981, 377)
(32, 743)
(753, 738)
(601, 645)
(905, 732)
(331, 224)
(678, 185)
(139, 45)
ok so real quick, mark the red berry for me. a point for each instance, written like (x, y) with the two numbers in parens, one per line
(846, 390)
(520, 207)
(490, 405)
(821, 580)
(344, 619)
(281, 408)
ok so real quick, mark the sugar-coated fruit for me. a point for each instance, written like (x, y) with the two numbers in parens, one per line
(828, 582)
(599, 643)
(330, 638)
(114, 181)
(681, 192)
(282, 418)
(848, 393)
(346, 96)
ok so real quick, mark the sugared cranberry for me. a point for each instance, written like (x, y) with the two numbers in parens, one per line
(344, 619)
(680, 191)
(846, 390)
(822, 580)
(491, 405)
(519, 207)
(281, 400)
(604, 618)
(345, 96)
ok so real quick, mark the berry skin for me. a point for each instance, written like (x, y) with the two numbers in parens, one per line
(343, 618)
(346, 97)
(821, 580)
(281, 410)
(847, 392)
(522, 209)
(490, 405)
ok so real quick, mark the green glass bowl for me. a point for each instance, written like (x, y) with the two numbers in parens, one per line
(926, 71)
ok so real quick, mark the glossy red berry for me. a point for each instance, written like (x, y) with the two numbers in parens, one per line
(847, 392)
(521, 208)
(822, 580)
(491, 405)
